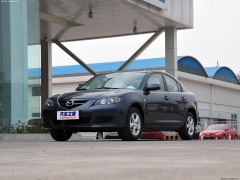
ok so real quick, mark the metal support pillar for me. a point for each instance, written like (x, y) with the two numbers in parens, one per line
(64, 48)
(141, 49)
(46, 71)
(211, 103)
(171, 50)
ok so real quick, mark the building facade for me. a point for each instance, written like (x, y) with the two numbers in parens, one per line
(19, 51)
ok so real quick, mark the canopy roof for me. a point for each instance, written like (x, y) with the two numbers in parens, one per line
(70, 20)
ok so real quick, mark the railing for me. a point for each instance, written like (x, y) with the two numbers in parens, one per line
(205, 122)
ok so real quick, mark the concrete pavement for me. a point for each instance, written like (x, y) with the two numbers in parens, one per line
(116, 159)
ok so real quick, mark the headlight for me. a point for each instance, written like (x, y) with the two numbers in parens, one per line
(111, 100)
(218, 133)
(49, 102)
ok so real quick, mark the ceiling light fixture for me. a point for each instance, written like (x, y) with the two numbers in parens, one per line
(135, 25)
(135, 29)
(90, 14)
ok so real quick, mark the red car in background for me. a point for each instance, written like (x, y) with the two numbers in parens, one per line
(218, 131)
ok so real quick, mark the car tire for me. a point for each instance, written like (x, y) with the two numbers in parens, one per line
(235, 137)
(60, 135)
(99, 135)
(133, 126)
(187, 132)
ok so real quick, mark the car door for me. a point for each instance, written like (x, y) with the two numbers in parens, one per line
(178, 101)
(157, 103)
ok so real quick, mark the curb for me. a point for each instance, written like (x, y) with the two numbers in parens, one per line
(42, 137)
(25, 137)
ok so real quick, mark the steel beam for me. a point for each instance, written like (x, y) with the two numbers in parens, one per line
(70, 53)
(58, 20)
(141, 49)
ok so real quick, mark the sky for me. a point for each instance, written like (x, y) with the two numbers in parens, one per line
(215, 38)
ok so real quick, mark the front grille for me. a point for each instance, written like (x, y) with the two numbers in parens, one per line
(208, 138)
(76, 103)
(104, 119)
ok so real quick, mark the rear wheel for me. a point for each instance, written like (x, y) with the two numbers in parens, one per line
(188, 130)
(60, 135)
(133, 126)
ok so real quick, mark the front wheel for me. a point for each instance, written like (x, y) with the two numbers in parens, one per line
(99, 135)
(133, 126)
(60, 135)
(188, 130)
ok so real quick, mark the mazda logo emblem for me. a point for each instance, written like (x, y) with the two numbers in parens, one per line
(69, 103)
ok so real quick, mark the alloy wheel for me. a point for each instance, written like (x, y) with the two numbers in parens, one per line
(190, 125)
(135, 124)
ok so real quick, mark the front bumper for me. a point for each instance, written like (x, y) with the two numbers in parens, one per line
(98, 118)
(206, 137)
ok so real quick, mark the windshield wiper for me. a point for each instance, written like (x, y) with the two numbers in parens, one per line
(107, 88)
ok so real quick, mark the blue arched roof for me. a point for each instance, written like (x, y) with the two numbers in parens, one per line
(186, 64)
(70, 70)
(152, 63)
(211, 71)
(222, 74)
(191, 65)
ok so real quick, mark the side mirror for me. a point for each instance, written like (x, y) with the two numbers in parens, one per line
(79, 86)
(153, 87)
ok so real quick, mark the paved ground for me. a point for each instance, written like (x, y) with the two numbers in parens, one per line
(115, 159)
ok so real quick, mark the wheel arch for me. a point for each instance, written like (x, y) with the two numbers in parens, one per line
(193, 111)
(139, 107)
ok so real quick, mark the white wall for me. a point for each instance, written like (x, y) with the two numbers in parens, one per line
(216, 99)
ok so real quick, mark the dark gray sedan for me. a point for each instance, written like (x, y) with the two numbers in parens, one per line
(126, 102)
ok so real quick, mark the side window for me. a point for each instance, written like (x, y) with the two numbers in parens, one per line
(173, 86)
(156, 79)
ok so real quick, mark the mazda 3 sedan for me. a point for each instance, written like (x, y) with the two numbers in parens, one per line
(126, 102)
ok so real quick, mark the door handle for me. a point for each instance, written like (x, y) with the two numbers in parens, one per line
(166, 97)
(183, 98)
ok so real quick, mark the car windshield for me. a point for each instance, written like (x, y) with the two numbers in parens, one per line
(216, 127)
(121, 80)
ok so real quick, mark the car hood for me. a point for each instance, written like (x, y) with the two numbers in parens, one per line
(94, 94)
(211, 131)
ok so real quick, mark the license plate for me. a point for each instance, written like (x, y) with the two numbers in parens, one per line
(67, 115)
